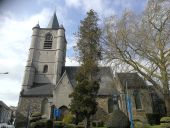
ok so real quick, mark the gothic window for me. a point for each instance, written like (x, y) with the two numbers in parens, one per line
(64, 111)
(44, 107)
(110, 105)
(137, 99)
(48, 41)
(45, 69)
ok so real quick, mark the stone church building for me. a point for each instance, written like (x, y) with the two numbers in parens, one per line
(48, 82)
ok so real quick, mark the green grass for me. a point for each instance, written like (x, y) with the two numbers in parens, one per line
(155, 126)
(99, 127)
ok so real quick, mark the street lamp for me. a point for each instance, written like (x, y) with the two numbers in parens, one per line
(4, 73)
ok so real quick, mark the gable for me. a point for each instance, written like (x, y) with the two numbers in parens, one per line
(62, 91)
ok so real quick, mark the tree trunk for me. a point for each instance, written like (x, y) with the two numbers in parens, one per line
(167, 104)
(87, 122)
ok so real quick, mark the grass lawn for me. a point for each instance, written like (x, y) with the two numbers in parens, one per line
(155, 126)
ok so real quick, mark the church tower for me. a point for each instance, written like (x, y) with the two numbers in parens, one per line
(46, 55)
(43, 69)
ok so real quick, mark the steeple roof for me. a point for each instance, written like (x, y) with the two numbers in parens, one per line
(53, 22)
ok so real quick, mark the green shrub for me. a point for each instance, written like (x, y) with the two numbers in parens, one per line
(165, 125)
(165, 122)
(59, 124)
(68, 118)
(34, 119)
(80, 126)
(118, 119)
(21, 120)
(49, 123)
(69, 126)
(153, 118)
(139, 124)
(39, 124)
(97, 123)
(36, 114)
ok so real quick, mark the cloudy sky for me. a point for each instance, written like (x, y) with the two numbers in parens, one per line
(17, 17)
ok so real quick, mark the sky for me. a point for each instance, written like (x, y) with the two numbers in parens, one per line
(18, 17)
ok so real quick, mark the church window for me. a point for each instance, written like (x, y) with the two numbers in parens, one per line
(137, 99)
(48, 41)
(45, 69)
(44, 107)
(110, 105)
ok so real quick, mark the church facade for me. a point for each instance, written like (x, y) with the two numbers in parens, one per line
(48, 82)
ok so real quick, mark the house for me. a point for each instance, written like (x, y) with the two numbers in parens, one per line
(5, 113)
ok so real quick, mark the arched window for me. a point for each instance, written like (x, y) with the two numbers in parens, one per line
(110, 105)
(113, 104)
(44, 107)
(48, 41)
(64, 111)
(45, 69)
(137, 99)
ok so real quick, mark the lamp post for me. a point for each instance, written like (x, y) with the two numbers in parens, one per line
(4, 73)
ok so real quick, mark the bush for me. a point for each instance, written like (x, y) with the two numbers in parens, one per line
(97, 123)
(59, 124)
(139, 124)
(69, 126)
(39, 124)
(21, 120)
(36, 114)
(34, 119)
(80, 126)
(49, 123)
(165, 122)
(118, 119)
(68, 118)
(153, 118)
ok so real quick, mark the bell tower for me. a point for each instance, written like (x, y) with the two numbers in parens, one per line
(46, 55)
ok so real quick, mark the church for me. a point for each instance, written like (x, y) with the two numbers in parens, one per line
(48, 82)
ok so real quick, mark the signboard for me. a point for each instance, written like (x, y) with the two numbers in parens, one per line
(57, 112)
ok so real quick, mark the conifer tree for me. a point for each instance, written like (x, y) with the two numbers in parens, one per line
(83, 103)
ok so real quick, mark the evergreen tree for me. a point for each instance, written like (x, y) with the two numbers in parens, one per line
(83, 103)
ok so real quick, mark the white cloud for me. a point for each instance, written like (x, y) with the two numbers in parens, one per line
(73, 3)
(100, 6)
(71, 61)
(15, 36)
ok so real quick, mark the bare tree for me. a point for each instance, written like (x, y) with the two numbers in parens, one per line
(143, 43)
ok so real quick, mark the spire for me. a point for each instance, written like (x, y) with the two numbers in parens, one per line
(37, 26)
(53, 22)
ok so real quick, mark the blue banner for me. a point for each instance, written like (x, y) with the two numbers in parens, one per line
(129, 107)
(57, 112)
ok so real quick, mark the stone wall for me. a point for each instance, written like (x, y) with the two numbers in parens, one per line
(102, 110)
(25, 105)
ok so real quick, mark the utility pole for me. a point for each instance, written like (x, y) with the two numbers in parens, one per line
(4, 73)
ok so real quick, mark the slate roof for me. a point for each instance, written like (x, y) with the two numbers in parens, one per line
(106, 83)
(133, 80)
(53, 22)
(4, 105)
(44, 90)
